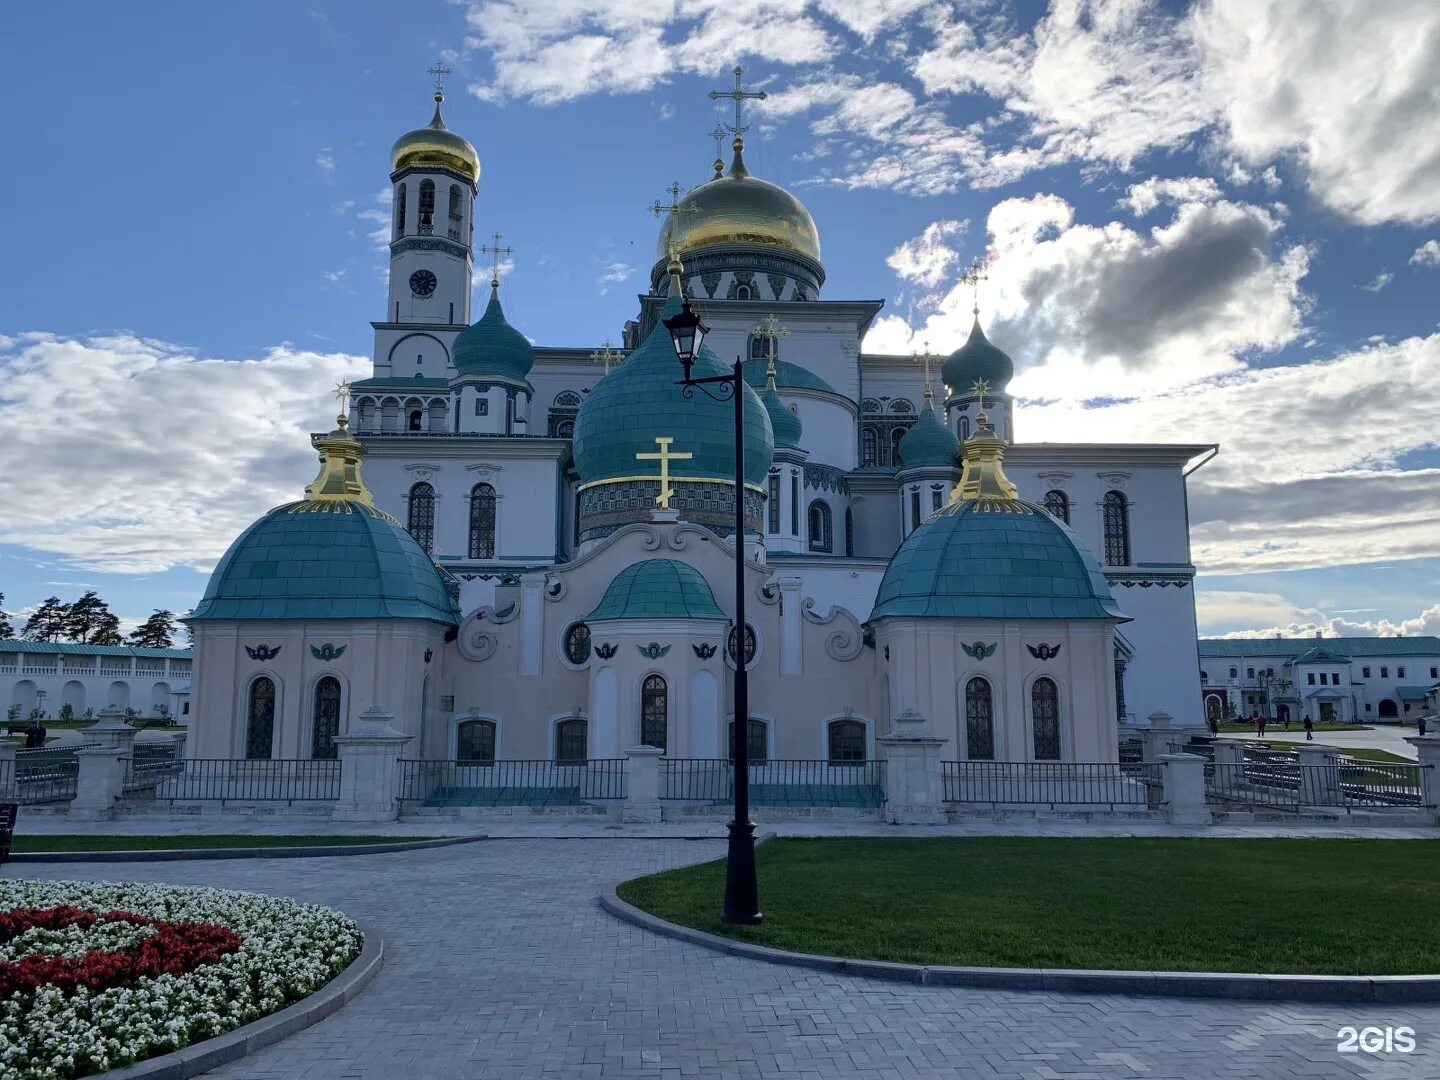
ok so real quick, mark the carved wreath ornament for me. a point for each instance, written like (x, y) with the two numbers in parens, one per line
(328, 652)
(262, 652)
(1043, 651)
(654, 650)
(979, 650)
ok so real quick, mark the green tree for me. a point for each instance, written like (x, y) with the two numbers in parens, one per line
(91, 622)
(156, 632)
(6, 629)
(47, 623)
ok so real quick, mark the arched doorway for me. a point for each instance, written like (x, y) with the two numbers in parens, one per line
(1214, 710)
(119, 697)
(325, 719)
(979, 720)
(260, 719)
(1389, 710)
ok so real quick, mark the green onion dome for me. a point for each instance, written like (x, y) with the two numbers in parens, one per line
(785, 425)
(657, 589)
(929, 442)
(492, 347)
(977, 359)
(639, 402)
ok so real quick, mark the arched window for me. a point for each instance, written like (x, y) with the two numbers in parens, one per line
(820, 539)
(415, 421)
(475, 741)
(572, 738)
(482, 522)
(562, 414)
(756, 748)
(400, 212)
(846, 740)
(896, 434)
(979, 720)
(422, 516)
(325, 718)
(902, 405)
(749, 644)
(577, 643)
(654, 711)
(427, 206)
(1250, 673)
(365, 408)
(760, 347)
(260, 719)
(1204, 676)
(1057, 505)
(565, 429)
(870, 405)
(1117, 529)
(744, 292)
(1234, 672)
(1045, 719)
(869, 447)
(457, 207)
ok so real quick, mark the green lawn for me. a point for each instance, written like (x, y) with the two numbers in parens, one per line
(174, 843)
(1267, 905)
(1362, 752)
(1295, 725)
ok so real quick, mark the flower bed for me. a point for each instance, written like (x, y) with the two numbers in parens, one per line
(96, 976)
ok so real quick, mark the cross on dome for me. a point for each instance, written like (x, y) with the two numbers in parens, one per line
(439, 71)
(606, 356)
(738, 94)
(664, 455)
(973, 277)
(495, 250)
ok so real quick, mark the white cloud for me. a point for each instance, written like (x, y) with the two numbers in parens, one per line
(927, 258)
(1272, 614)
(613, 273)
(1149, 194)
(325, 162)
(380, 235)
(1427, 254)
(1378, 282)
(164, 489)
(868, 17)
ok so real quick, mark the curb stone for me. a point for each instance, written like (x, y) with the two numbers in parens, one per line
(1350, 989)
(209, 1054)
(293, 852)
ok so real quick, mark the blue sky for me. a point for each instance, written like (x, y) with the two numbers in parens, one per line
(1205, 222)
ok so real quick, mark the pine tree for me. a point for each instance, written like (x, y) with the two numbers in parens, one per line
(6, 629)
(107, 631)
(156, 632)
(90, 622)
(48, 621)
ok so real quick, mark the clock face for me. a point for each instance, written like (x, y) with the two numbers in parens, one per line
(422, 283)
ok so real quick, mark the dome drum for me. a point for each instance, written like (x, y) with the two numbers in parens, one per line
(714, 272)
(606, 507)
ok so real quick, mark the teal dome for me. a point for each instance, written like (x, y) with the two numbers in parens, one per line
(977, 560)
(338, 559)
(638, 401)
(784, 424)
(492, 347)
(977, 359)
(658, 589)
(788, 376)
(929, 442)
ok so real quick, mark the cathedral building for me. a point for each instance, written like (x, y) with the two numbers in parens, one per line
(536, 558)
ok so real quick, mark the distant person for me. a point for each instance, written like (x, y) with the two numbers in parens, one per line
(1287, 720)
(34, 736)
(1420, 723)
(1309, 727)
(1214, 727)
(1260, 724)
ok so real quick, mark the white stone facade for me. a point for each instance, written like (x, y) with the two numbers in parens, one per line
(35, 675)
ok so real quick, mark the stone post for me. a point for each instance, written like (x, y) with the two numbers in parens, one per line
(1320, 776)
(1428, 747)
(370, 768)
(1161, 737)
(111, 731)
(178, 738)
(1229, 753)
(9, 785)
(1184, 785)
(642, 784)
(914, 792)
(99, 783)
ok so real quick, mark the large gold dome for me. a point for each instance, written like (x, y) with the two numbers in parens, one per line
(740, 209)
(436, 145)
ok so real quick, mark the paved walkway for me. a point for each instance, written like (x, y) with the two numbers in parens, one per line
(500, 964)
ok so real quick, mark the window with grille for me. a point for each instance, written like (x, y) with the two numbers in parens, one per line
(1045, 719)
(979, 720)
(869, 447)
(400, 211)
(749, 644)
(755, 741)
(772, 504)
(475, 741)
(820, 526)
(260, 719)
(846, 740)
(1057, 505)
(577, 644)
(1117, 529)
(654, 712)
(427, 206)
(421, 521)
(325, 718)
(572, 740)
(482, 521)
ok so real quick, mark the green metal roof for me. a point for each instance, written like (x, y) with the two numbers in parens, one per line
(790, 376)
(977, 359)
(400, 382)
(638, 401)
(784, 424)
(71, 648)
(1286, 648)
(971, 561)
(658, 589)
(1411, 693)
(326, 560)
(1321, 655)
(492, 346)
(929, 442)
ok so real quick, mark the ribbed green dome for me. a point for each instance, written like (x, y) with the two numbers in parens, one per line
(787, 376)
(638, 401)
(658, 589)
(337, 559)
(974, 560)
(784, 424)
(929, 442)
(492, 347)
(977, 359)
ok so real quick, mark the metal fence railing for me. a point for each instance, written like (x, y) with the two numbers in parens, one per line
(1348, 784)
(149, 764)
(795, 782)
(1053, 783)
(287, 780)
(535, 783)
(44, 775)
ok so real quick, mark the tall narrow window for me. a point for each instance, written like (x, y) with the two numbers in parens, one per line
(572, 739)
(1045, 719)
(756, 748)
(849, 533)
(422, 516)
(456, 211)
(914, 508)
(475, 741)
(1057, 505)
(820, 538)
(416, 420)
(325, 718)
(742, 292)
(869, 447)
(654, 711)
(979, 720)
(760, 347)
(260, 719)
(482, 522)
(400, 212)
(896, 434)
(846, 740)
(1117, 529)
(427, 206)
(772, 508)
(964, 428)
(794, 504)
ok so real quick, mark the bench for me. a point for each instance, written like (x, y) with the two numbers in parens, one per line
(8, 813)
(17, 729)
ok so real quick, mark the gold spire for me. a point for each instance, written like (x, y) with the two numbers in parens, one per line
(439, 71)
(339, 477)
(925, 358)
(982, 479)
(770, 375)
(675, 270)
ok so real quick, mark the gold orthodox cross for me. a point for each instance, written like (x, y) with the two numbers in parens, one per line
(439, 71)
(737, 94)
(772, 330)
(665, 455)
(342, 394)
(495, 251)
(607, 356)
(674, 191)
(980, 388)
(973, 277)
(925, 357)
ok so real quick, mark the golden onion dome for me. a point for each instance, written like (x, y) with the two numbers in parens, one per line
(436, 145)
(740, 209)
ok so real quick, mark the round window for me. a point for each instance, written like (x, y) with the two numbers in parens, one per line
(749, 644)
(577, 644)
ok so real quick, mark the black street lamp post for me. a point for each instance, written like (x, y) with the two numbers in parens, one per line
(742, 891)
